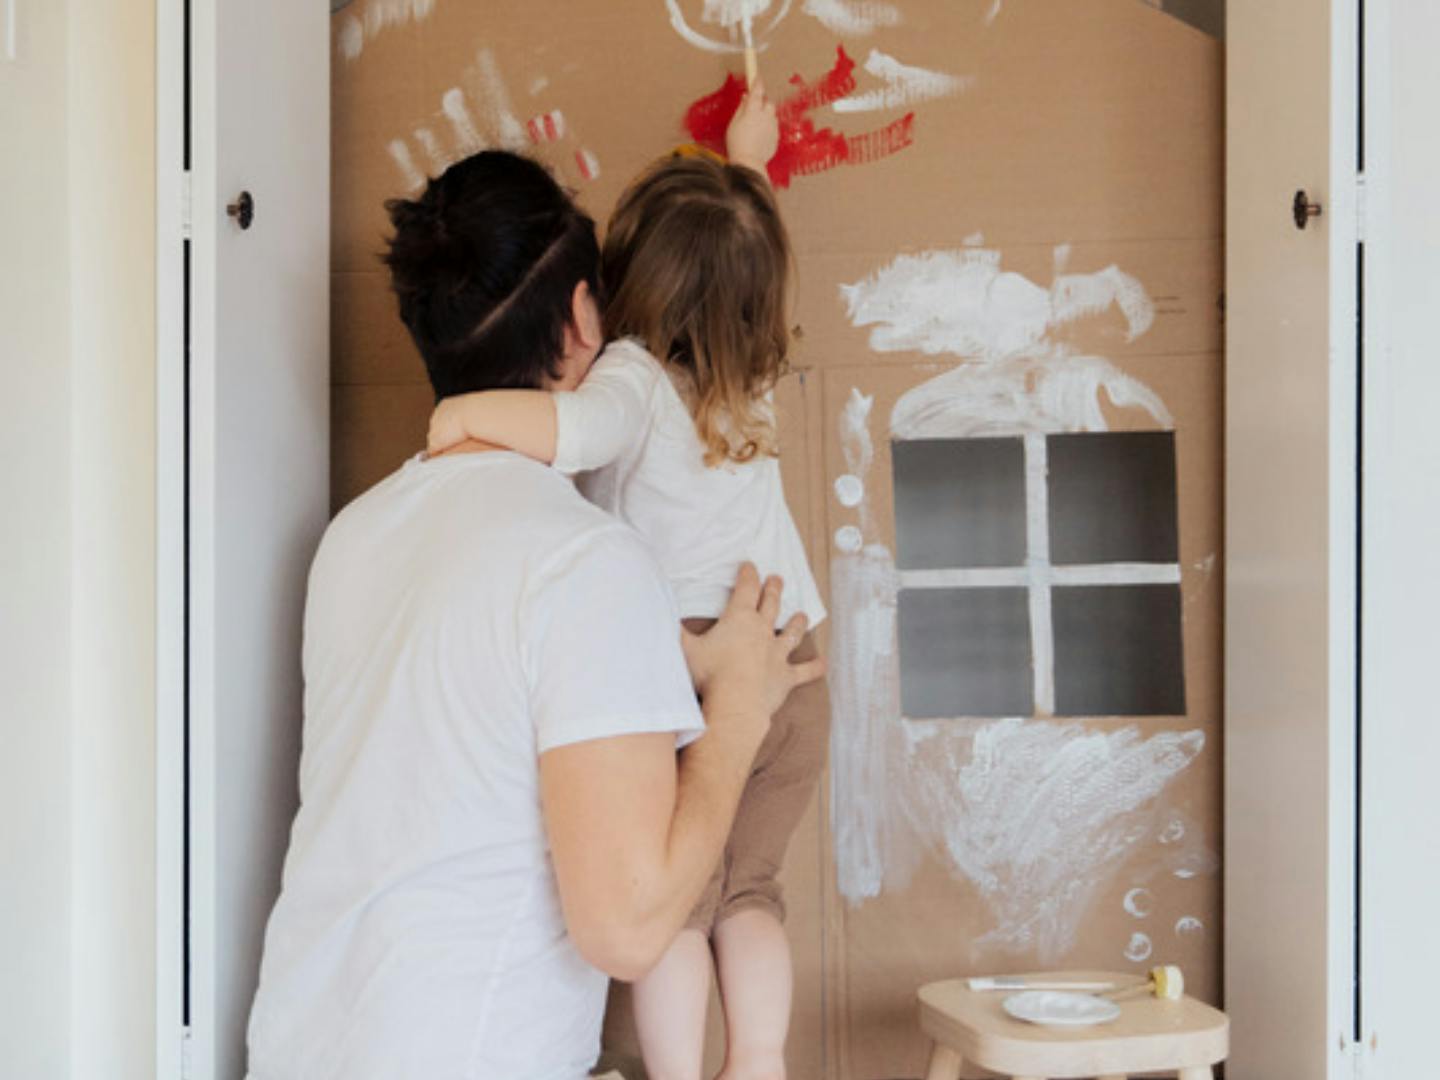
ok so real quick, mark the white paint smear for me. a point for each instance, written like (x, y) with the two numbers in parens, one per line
(1139, 949)
(994, 11)
(400, 153)
(1188, 926)
(1018, 395)
(729, 14)
(849, 539)
(1139, 903)
(487, 87)
(904, 85)
(467, 138)
(1173, 832)
(849, 490)
(1038, 815)
(852, 18)
(537, 84)
(373, 18)
(732, 13)
(962, 303)
(350, 37)
(439, 160)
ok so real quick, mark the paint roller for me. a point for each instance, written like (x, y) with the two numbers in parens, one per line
(1166, 982)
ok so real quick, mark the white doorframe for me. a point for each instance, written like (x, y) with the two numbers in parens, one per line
(171, 228)
(1291, 608)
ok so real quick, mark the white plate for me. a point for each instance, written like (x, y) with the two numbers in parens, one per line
(1061, 1008)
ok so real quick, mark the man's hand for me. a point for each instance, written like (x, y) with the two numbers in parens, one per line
(754, 132)
(741, 667)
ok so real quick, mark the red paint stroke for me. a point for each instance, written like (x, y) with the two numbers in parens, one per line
(804, 150)
(545, 128)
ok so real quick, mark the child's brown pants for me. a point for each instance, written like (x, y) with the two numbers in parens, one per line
(782, 780)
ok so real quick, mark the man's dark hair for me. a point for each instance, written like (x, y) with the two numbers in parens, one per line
(485, 264)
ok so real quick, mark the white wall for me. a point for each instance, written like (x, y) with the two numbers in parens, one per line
(77, 554)
(1401, 728)
(112, 409)
(35, 624)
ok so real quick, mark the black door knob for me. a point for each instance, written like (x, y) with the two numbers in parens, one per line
(1304, 209)
(242, 210)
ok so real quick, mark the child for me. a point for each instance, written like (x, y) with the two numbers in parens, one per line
(674, 431)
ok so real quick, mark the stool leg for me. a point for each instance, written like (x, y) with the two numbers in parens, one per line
(1197, 1072)
(944, 1064)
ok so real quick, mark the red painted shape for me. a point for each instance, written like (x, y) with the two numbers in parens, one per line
(804, 149)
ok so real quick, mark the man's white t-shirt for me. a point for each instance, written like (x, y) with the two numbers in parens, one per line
(464, 616)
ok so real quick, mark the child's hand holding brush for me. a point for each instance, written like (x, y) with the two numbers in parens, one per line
(754, 132)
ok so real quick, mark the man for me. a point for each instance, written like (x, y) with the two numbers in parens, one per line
(493, 815)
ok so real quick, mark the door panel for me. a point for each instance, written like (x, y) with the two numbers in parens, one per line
(258, 486)
(1401, 742)
(1290, 401)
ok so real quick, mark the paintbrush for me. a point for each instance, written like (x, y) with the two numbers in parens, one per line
(752, 65)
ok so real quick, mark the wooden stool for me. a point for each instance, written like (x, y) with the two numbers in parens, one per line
(971, 1028)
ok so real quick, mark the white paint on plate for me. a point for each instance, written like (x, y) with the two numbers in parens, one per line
(852, 18)
(904, 85)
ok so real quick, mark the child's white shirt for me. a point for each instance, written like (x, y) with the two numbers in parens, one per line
(632, 439)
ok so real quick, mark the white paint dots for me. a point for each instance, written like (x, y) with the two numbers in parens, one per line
(1185, 873)
(1189, 926)
(1139, 902)
(1139, 949)
(1174, 831)
(849, 539)
(849, 489)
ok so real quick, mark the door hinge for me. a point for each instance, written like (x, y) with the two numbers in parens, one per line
(186, 1058)
(1362, 229)
(186, 205)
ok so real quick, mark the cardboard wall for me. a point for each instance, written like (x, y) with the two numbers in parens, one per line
(1025, 242)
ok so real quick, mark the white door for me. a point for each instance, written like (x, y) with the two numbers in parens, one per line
(258, 469)
(1400, 646)
(1291, 399)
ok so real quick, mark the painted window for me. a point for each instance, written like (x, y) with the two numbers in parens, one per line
(1039, 575)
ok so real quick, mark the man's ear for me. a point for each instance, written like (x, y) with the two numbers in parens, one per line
(585, 318)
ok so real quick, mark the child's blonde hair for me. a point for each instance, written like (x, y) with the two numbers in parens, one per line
(696, 264)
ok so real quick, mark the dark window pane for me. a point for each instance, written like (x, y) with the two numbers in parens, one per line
(1112, 498)
(959, 503)
(965, 652)
(1118, 650)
